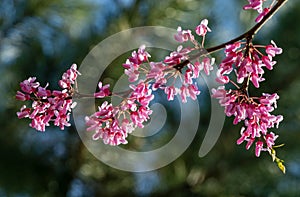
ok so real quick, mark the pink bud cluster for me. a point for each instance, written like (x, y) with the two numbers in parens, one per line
(114, 123)
(256, 116)
(258, 6)
(48, 105)
(247, 61)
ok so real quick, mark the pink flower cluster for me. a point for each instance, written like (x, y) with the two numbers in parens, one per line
(175, 75)
(48, 105)
(164, 74)
(186, 35)
(258, 6)
(256, 116)
(247, 61)
(134, 62)
(114, 123)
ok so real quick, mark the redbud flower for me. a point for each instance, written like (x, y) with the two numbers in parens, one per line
(103, 91)
(24, 112)
(207, 64)
(258, 148)
(267, 60)
(202, 29)
(193, 91)
(29, 85)
(254, 4)
(69, 77)
(272, 49)
(170, 91)
(22, 96)
(221, 78)
(262, 15)
(183, 35)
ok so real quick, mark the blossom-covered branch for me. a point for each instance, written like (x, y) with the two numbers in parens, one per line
(48, 106)
(244, 65)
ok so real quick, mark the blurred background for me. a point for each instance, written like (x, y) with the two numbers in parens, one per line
(43, 38)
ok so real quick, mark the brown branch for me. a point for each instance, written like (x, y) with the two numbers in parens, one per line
(253, 30)
(247, 35)
(180, 66)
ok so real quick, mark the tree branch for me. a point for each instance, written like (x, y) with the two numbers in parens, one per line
(253, 30)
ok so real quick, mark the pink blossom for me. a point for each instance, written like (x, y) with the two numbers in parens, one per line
(157, 74)
(183, 93)
(243, 137)
(245, 67)
(140, 56)
(62, 119)
(249, 143)
(183, 35)
(226, 65)
(254, 4)
(156, 71)
(188, 76)
(103, 91)
(127, 126)
(270, 139)
(43, 92)
(232, 47)
(176, 57)
(22, 97)
(221, 78)
(24, 112)
(140, 116)
(133, 63)
(29, 85)
(133, 75)
(159, 83)
(197, 67)
(267, 60)
(171, 92)
(193, 91)
(272, 49)
(258, 148)
(269, 99)
(38, 123)
(202, 29)
(141, 93)
(262, 14)
(207, 64)
(256, 115)
(69, 77)
(219, 93)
